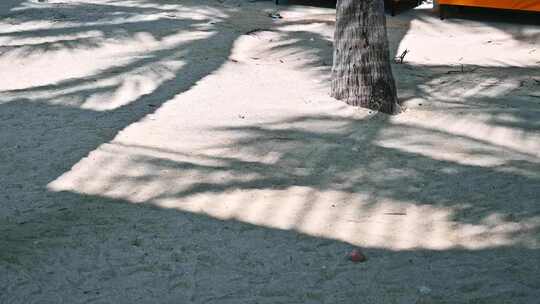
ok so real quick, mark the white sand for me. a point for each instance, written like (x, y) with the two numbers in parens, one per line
(152, 152)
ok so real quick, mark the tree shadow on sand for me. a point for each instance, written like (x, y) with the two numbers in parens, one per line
(92, 243)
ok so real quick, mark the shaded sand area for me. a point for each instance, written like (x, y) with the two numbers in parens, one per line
(160, 151)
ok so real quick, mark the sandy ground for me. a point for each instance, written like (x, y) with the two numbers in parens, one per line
(160, 151)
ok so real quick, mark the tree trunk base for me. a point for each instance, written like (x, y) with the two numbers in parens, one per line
(361, 73)
(386, 108)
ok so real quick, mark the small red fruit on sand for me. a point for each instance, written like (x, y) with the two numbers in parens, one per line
(357, 256)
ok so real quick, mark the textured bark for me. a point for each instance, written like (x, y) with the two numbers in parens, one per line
(361, 73)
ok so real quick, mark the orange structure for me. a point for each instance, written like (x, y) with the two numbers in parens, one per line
(525, 5)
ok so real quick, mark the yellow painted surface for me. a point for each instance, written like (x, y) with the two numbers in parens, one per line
(527, 5)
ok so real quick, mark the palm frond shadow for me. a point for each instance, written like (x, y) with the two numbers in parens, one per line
(180, 255)
(81, 109)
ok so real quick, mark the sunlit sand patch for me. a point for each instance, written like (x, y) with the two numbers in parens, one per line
(199, 184)
(244, 180)
(465, 50)
(504, 141)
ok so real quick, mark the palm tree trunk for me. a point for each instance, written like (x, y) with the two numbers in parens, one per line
(361, 73)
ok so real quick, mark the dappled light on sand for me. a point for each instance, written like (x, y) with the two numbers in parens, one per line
(294, 175)
(188, 152)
